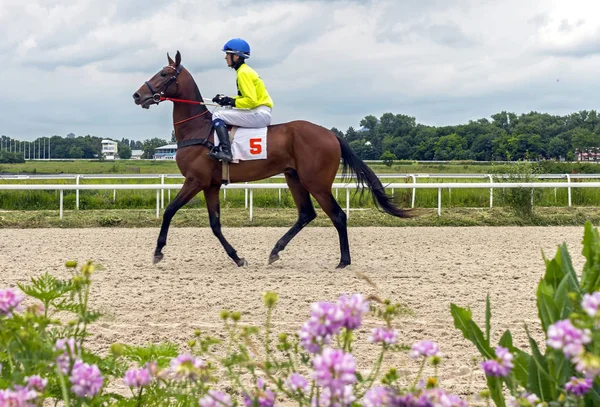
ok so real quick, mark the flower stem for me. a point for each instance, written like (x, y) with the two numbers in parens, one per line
(420, 371)
(63, 387)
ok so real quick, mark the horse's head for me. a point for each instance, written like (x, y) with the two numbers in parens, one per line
(164, 84)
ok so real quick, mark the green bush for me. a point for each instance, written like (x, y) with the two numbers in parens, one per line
(520, 200)
(567, 372)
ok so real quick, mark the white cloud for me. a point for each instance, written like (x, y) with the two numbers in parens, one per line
(71, 66)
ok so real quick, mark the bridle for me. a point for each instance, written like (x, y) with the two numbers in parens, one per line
(156, 95)
(159, 96)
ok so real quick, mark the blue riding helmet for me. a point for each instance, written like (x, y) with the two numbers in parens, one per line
(238, 47)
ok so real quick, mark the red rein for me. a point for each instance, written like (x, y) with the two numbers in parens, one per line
(191, 102)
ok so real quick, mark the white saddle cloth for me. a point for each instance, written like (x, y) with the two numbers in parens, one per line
(248, 143)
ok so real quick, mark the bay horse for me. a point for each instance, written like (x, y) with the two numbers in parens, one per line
(308, 154)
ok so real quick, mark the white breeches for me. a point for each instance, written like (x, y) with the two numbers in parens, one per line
(257, 117)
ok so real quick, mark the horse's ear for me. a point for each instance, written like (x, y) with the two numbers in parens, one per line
(169, 59)
(177, 58)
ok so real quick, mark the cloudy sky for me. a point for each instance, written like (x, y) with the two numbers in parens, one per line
(72, 65)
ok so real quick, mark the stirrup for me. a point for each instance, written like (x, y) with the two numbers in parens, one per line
(221, 155)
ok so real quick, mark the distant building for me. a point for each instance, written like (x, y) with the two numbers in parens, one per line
(165, 152)
(587, 155)
(136, 154)
(110, 149)
(70, 135)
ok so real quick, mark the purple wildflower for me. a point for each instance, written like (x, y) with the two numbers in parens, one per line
(353, 308)
(439, 397)
(527, 399)
(36, 383)
(264, 396)
(296, 382)
(578, 386)
(187, 366)
(86, 379)
(326, 320)
(588, 364)
(563, 335)
(501, 366)
(334, 398)
(10, 300)
(137, 377)
(18, 397)
(310, 337)
(69, 348)
(334, 368)
(388, 336)
(377, 397)
(424, 349)
(428, 398)
(215, 398)
(591, 303)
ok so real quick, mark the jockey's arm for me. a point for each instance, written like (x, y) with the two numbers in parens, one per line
(249, 99)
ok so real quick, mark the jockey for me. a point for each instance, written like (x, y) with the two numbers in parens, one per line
(252, 97)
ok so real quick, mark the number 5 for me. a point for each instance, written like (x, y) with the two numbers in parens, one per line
(255, 146)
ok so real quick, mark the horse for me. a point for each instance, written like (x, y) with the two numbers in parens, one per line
(307, 154)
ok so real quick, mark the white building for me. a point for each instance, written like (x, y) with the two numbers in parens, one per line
(136, 154)
(166, 152)
(110, 149)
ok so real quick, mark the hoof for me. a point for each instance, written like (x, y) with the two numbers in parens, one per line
(342, 265)
(242, 262)
(158, 258)
(273, 258)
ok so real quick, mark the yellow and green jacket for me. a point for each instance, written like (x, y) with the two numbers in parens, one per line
(251, 89)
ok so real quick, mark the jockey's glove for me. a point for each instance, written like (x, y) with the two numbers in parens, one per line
(218, 98)
(226, 101)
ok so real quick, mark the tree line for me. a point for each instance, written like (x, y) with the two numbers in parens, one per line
(506, 137)
(56, 147)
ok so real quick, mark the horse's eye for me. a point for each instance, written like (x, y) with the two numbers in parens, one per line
(163, 74)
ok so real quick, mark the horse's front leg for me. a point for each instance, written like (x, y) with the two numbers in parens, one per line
(214, 215)
(187, 192)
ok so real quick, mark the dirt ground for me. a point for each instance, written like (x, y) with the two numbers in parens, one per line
(424, 268)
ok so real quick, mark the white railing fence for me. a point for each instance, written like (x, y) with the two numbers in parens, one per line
(347, 186)
(162, 177)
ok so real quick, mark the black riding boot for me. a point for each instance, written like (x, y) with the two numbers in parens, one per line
(223, 150)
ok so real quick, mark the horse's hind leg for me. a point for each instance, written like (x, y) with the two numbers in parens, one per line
(306, 213)
(214, 214)
(187, 192)
(338, 217)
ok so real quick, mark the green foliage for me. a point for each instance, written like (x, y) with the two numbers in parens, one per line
(11, 158)
(388, 158)
(520, 200)
(559, 297)
(506, 137)
(124, 152)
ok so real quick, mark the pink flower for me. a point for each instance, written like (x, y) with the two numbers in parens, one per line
(424, 349)
(501, 366)
(334, 368)
(137, 377)
(385, 335)
(86, 379)
(353, 308)
(564, 336)
(10, 300)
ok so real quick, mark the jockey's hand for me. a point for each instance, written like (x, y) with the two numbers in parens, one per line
(226, 101)
(217, 99)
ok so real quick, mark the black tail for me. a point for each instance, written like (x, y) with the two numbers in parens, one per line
(366, 178)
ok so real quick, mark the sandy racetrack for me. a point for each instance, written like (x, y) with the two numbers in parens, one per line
(424, 268)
